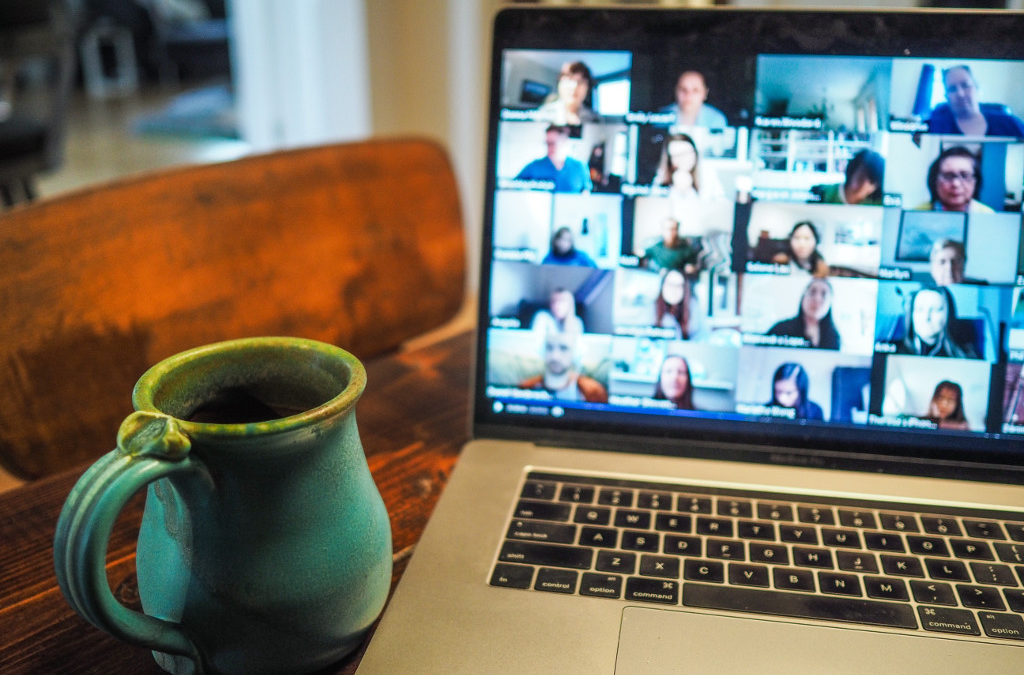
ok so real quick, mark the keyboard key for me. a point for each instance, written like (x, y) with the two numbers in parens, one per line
(659, 566)
(885, 588)
(752, 529)
(556, 581)
(980, 597)
(1010, 553)
(1015, 530)
(1005, 626)
(839, 584)
(818, 515)
(941, 525)
(1014, 599)
(948, 570)
(640, 541)
(737, 508)
(578, 494)
(704, 570)
(539, 530)
(854, 561)
(927, 545)
(947, 620)
(654, 500)
(800, 605)
(789, 579)
(994, 574)
(615, 497)
(601, 585)
(983, 529)
(551, 555)
(603, 537)
(727, 549)
(748, 575)
(715, 527)
(615, 561)
(864, 519)
(670, 522)
(840, 538)
(535, 489)
(592, 515)
(973, 549)
(933, 593)
(512, 576)
(634, 519)
(902, 566)
(798, 534)
(878, 541)
(652, 590)
(766, 511)
(690, 504)
(543, 510)
(769, 553)
(899, 522)
(812, 557)
(677, 545)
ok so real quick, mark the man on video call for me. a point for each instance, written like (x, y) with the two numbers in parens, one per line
(560, 377)
(691, 108)
(567, 173)
(963, 114)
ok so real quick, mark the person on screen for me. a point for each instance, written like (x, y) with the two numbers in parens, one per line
(672, 308)
(560, 377)
(813, 322)
(691, 107)
(946, 408)
(801, 252)
(954, 182)
(568, 173)
(674, 383)
(863, 184)
(930, 313)
(963, 112)
(568, 105)
(680, 171)
(564, 252)
(560, 316)
(673, 252)
(789, 390)
(946, 262)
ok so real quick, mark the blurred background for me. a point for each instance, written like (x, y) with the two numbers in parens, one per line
(92, 90)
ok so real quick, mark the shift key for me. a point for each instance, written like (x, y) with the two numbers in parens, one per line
(550, 555)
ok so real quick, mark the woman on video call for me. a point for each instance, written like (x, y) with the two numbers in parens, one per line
(947, 406)
(672, 307)
(954, 182)
(674, 383)
(680, 170)
(813, 320)
(801, 252)
(930, 313)
(789, 390)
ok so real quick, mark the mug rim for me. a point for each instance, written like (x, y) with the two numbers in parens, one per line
(144, 393)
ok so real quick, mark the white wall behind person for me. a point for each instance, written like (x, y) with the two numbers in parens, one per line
(700, 220)
(596, 224)
(768, 299)
(522, 221)
(910, 383)
(998, 82)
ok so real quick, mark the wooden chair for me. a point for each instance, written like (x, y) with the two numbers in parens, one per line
(360, 245)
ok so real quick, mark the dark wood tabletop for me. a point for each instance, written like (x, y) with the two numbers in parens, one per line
(413, 419)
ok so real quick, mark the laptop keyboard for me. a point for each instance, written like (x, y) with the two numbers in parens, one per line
(919, 568)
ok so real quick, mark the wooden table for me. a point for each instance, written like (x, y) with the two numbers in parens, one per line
(412, 420)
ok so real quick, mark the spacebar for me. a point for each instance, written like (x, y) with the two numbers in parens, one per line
(804, 606)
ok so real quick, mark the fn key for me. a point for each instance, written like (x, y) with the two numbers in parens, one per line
(512, 576)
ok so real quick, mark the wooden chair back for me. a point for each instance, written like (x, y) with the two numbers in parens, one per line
(360, 245)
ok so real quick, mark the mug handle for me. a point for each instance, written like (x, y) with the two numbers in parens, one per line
(150, 446)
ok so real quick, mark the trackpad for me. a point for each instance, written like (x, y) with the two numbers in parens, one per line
(661, 641)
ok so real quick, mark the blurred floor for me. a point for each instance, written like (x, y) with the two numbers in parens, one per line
(101, 143)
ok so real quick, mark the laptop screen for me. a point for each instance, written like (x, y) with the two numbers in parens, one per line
(792, 229)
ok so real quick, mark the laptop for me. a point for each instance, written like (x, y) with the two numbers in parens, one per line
(748, 391)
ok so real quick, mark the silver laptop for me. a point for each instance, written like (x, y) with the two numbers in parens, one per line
(748, 392)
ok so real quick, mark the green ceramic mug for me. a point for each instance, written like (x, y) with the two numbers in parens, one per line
(265, 545)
